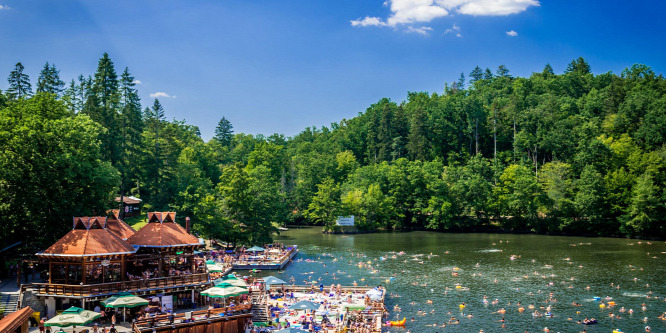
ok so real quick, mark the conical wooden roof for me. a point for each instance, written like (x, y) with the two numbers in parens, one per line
(118, 226)
(89, 237)
(162, 231)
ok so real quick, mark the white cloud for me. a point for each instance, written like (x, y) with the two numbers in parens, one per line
(494, 7)
(5, 7)
(409, 12)
(137, 82)
(420, 30)
(161, 94)
(454, 29)
(367, 21)
(512, 33)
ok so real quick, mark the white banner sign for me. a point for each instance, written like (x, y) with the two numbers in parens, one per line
(345, 220)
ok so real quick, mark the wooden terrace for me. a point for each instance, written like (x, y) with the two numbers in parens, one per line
(105, 289)
(223, 320)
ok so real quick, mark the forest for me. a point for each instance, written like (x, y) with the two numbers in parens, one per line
(571, 153)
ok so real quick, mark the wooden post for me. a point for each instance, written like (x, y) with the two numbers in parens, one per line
(50, 271)
(122, 268)
(161, 264)
(18, 273)
(83, 271)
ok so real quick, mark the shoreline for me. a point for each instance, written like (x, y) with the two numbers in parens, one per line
(477, 230)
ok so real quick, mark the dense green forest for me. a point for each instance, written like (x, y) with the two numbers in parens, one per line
(572, 153)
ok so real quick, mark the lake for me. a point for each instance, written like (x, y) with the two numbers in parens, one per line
(440, 271)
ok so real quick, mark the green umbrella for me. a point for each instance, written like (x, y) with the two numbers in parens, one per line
(124, 300)
(72, 317)
(210, 262)
(224, 290)
(256, 249)
(234, 282)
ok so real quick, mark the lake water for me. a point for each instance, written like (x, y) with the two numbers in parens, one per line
(451, 269)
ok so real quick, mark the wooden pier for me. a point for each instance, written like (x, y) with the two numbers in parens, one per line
(266, 264)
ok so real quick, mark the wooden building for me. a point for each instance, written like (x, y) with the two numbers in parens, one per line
(103, 256)
(131, 206)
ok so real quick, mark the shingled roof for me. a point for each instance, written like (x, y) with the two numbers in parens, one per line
(89, 238)
(162, 231)
(118, 226)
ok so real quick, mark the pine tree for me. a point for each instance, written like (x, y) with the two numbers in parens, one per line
(131, 125)
(502, 71)
(19, 83)
(548, 71)
(102, 105)
(476, 75)
(224, 132)
(418, 143)
(461, 81)
(579, 66)
(49, 80)
(487, 75)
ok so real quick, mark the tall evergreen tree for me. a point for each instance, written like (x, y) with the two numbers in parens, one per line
(579, 66)
(49, 80)
(19, 83)
(102, 105)
(487, 75)
(476, 75)
(418, 143)
(224, 132)
(548, 71)
(131, 126)
(502, 71)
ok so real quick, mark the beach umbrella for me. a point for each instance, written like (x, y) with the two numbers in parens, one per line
(210, 262)
(256, 249)
(374, 294)
(233, 282)
(304, 305)
(224, 290)
(290, 330)
(72, 317)
(124, 300)
(270, 280)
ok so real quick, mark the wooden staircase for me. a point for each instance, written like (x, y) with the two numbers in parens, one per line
(259, 308)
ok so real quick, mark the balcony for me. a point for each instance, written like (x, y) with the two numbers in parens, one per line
(103, 289)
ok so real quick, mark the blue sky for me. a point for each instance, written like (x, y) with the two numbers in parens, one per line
(279, 66)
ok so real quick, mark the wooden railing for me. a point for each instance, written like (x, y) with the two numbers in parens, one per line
(116, 287)
(278, 259)
(230, 312)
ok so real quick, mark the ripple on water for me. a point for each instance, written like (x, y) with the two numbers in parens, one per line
(489, 251)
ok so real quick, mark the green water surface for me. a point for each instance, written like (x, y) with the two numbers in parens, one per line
(573, 269)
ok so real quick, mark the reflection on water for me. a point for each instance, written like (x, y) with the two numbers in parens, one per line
(496, 275)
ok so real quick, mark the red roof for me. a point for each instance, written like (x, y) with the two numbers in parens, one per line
(90, 237)
(118, 227)
(162, 231)
(14, 320)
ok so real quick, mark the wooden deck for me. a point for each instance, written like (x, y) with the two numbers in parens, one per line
(266, 264)
(222, 320)
(103, 289)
